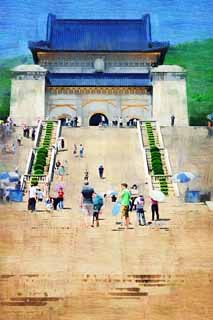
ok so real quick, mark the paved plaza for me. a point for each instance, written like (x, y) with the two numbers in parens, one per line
(53, 267)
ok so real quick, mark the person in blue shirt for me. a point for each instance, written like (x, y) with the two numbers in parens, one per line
(97, 205)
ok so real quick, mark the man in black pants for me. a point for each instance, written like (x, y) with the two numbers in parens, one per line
(155, 209)
(101, 171)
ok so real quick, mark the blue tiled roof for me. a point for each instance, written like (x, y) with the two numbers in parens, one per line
(70, 35)
(100, 35)
(98, 80)
(97, 35)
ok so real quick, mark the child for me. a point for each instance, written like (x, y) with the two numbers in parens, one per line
(49, 204)
(139, 203)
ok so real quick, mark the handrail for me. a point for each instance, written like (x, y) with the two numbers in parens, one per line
(54, 153)
(29, 161)
(144, 157)
(38, 134)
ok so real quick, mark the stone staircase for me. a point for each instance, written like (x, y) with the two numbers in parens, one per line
(158, 181)
(39, 141)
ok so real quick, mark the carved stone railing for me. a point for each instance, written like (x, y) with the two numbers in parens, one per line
(148, 178)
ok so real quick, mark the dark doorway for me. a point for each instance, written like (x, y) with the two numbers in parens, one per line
(98, 118)
(132, 122)
(63, 121)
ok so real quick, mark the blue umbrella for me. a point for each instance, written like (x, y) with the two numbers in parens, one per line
(116, 209)
(210, 116)
(183, 177)
(13, 176)
(4, 176)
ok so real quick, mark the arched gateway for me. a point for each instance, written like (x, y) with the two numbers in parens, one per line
(98, 118)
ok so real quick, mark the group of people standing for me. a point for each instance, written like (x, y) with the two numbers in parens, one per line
(41, 195)
(131, 200)
(92, 203)
(72, 122)
(78, 150)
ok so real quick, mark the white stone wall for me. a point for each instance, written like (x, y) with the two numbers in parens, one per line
(27, 103)
(85, 106)
(169, 95)
(85, 64)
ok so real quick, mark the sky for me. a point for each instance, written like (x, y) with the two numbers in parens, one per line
(176, 21)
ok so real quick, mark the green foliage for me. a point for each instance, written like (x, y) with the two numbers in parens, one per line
(34, 180)
(196, 58)
(5, 82)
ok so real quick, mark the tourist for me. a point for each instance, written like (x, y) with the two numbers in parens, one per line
(97, 205)
(33, 134)
(40, 195)
(120, 122)
(24, 130)
(62, 143)
(61, 172)
(134, 122)
(113, 197)
(102, 120)
(155, 209)
(139, 203)
(75, 121)
(172, 120)
(134, 195)
(86, 175)
(27, 132)
(18, 185)
(49, 204)
(87, 203)
(81, 151)
(75, 150)
(19, 140)
(60, 199)
(125, 201)
(57, 165)
(32, 194)
(101, 171)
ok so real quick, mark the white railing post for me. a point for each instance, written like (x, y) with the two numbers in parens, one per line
(58, 130)
(159, 135)
(38, 131)
(51, 167)
(29, 162)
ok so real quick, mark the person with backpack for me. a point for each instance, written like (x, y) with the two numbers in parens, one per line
(97, 205)
(139, 203)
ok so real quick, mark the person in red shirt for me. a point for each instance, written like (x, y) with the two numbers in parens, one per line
(155, 209)
(60, 199)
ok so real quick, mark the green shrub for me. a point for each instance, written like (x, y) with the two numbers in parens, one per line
(34, 181)
(38, 172)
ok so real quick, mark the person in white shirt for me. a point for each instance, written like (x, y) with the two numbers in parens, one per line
(139, 203)
(32, 195)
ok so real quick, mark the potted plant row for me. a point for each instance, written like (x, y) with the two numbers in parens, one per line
(42, 155)
(156, 160)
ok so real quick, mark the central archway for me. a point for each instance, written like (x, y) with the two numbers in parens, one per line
(98, 118)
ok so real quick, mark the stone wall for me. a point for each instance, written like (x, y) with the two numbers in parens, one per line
(27, 104)
(113, 63)
(86, 105)
(169, 95)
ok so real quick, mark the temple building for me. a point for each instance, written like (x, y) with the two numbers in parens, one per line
(89, 68)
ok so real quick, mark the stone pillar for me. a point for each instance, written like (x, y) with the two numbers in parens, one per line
(27, 102)
(169, 95)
